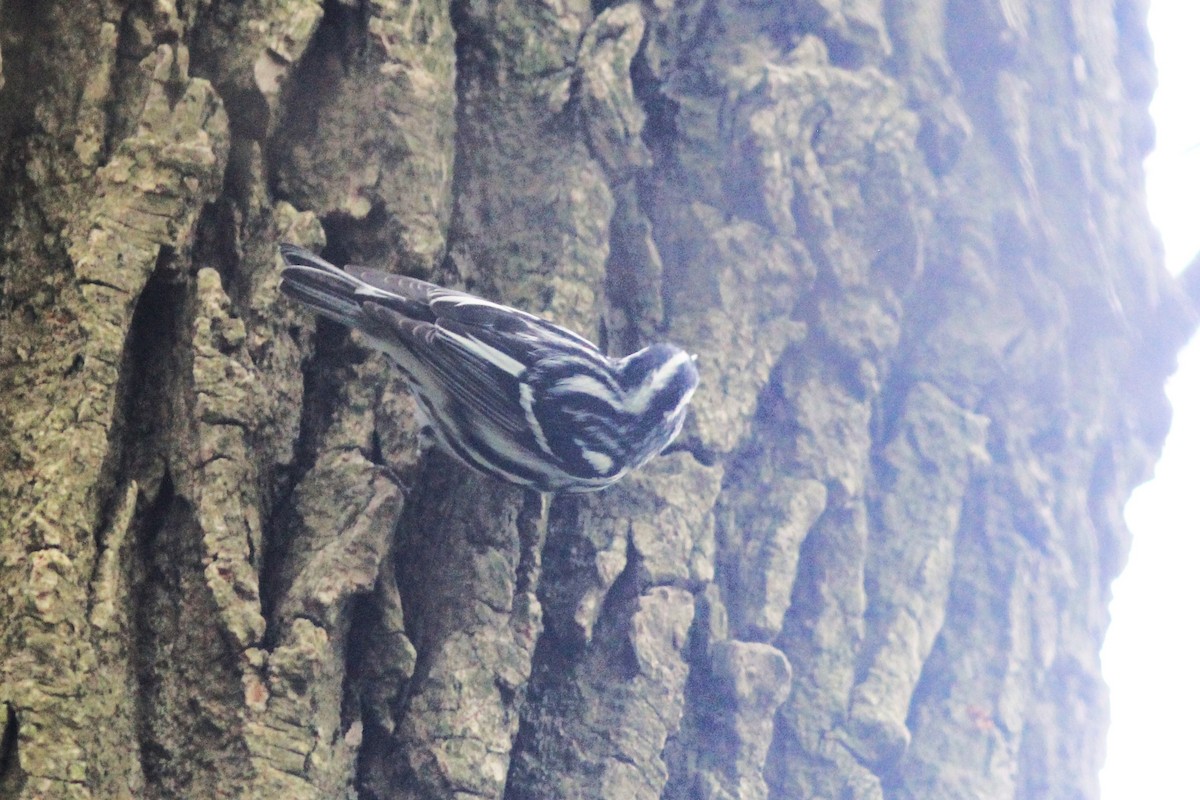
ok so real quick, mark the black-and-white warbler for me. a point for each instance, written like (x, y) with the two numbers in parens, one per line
(508, 393)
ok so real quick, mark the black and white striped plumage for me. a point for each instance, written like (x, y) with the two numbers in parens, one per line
(507, 393)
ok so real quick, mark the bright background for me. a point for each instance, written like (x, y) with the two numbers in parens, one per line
(1151, 656)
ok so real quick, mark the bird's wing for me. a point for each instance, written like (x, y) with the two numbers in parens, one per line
(414, 298)
(485, 381)
(410, 296)
(516, 332)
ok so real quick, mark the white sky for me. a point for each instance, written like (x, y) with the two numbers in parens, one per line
(1151, 655)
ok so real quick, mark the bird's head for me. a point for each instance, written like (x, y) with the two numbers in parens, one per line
(658, 382)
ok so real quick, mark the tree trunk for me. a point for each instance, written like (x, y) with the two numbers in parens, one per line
(907, 239)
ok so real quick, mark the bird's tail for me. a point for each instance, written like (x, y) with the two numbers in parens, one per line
(328, 290)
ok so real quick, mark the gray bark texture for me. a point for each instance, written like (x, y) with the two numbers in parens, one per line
(907, 238)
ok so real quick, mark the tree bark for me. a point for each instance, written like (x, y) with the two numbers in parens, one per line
(908, 240)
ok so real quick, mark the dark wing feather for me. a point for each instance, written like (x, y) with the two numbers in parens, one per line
(442, 304)
(409, 296)
(321, 291)
(478, 384)
(297, 256)
(474, 311)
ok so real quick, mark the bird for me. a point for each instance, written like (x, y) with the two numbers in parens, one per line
(507, 393)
